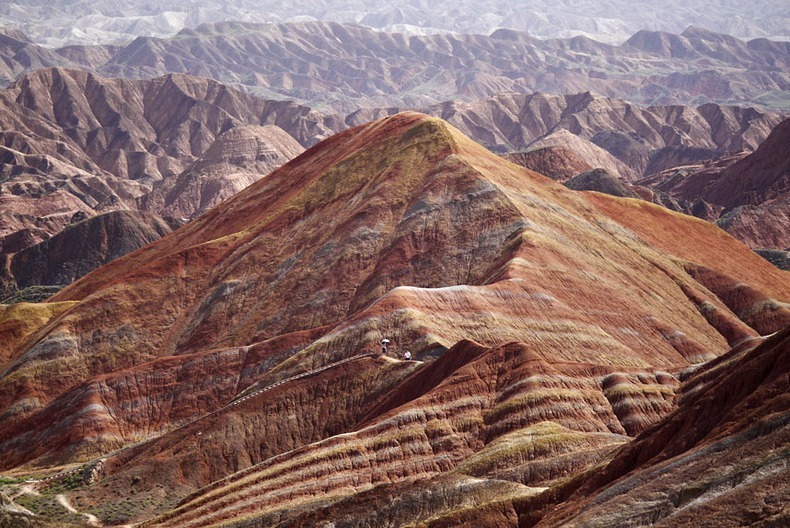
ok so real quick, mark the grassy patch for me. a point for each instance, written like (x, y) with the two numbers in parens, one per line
(535, 442)
(32, 294)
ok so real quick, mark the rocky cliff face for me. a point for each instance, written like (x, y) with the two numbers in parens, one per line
(549, 326)
(75, 145)
(558, 163)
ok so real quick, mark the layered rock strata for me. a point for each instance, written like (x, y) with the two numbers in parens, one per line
(548, 325)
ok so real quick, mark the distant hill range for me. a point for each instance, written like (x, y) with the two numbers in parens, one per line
(344, 67)
(91, 129)
(56, 23)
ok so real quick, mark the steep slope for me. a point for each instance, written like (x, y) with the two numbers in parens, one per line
(762, 177)
(746, 194)
(719, 460)
(81, 248)
(473, 417)
(777, 257)
(758, 178)
(760, 226)
(73, 142)
(236, 159)
(549, 326)
(18, 321)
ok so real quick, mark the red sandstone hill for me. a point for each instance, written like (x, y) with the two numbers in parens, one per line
(719, 460)
(550, 326)
(74, 143)
(561, 155)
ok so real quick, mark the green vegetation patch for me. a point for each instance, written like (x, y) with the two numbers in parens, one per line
(538, 441)
(32, 294)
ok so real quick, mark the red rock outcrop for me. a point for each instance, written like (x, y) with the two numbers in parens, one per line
(558, 163)
(601, 181)
(761, 177)
(591, 156)
(548, 325)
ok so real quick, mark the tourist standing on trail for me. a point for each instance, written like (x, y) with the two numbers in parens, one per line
(384, 343)
(407, 355)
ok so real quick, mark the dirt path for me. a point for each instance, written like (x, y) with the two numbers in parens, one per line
(64, 501)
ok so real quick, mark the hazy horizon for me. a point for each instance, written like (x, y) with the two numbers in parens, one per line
(57, 23)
